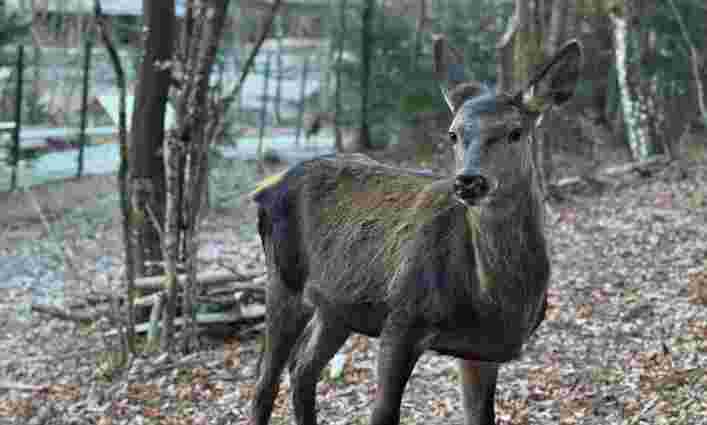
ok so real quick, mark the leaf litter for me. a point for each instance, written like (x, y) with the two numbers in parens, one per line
(624, 341)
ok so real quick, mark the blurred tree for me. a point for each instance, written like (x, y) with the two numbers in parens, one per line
(367, 40)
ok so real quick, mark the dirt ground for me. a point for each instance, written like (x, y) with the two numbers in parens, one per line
(624, 341)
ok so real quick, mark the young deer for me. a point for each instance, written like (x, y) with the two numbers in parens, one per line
(454, 265)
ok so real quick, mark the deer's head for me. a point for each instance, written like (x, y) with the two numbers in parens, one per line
(492, 133)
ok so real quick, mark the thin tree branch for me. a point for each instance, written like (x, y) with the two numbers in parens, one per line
(228, 100)
(122, 172)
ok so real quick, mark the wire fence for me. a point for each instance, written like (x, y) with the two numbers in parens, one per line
(60, 106)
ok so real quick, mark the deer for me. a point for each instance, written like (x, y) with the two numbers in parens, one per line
(457, 265)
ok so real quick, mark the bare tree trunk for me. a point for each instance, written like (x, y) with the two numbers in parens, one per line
(558, 14)
(695, 61)
(341, 37)
(421, 21)
(522, 46)
(364, 133)
(147, 130)
(504, 71)
(189, 139)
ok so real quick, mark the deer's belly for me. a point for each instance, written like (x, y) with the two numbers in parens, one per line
(482, 345)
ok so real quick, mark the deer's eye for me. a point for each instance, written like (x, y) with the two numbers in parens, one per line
(515, 135)
(452, 137)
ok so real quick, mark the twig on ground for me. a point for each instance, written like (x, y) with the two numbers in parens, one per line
(63, 314)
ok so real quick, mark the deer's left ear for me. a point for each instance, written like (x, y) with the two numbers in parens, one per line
(555, 83)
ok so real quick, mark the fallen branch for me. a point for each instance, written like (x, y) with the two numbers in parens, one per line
(625, 168)
(156, 283)
(248, 312)
(605, 176)
(52, 358)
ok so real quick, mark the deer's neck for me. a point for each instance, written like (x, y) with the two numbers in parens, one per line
(510, 248)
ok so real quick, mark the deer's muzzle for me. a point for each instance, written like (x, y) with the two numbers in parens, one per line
(471, 189)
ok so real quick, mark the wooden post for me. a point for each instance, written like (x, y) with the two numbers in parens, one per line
(18, 117)
(302, 94)
(88, 46)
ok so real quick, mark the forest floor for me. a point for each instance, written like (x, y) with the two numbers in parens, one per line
(624, 341)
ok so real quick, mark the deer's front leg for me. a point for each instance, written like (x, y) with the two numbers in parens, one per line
(398, 354)
(478, 390)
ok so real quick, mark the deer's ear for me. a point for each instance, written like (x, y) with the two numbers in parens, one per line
(449, 68)
(557, 79)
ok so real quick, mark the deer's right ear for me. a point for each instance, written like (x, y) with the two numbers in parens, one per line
(449, 67)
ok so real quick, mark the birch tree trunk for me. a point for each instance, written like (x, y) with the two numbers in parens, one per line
(634, 117)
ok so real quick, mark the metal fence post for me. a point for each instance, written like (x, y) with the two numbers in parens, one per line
(264, 109)
(302, 95)
(84, 102)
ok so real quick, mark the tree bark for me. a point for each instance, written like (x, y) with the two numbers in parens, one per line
(147, 130)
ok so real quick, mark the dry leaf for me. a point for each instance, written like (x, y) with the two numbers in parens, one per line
(104, 420)
(151, 412)
(440, 408)
(664, 200)
(21, 408)
(584, 311)
(697, 287)
(511, 412)
(65, 392)
(143, 392)
(544, 383)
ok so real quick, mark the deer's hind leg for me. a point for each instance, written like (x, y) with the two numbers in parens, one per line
(285, 322)
(320, 341)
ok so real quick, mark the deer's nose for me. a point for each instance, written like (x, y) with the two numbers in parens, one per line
(471, 188)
